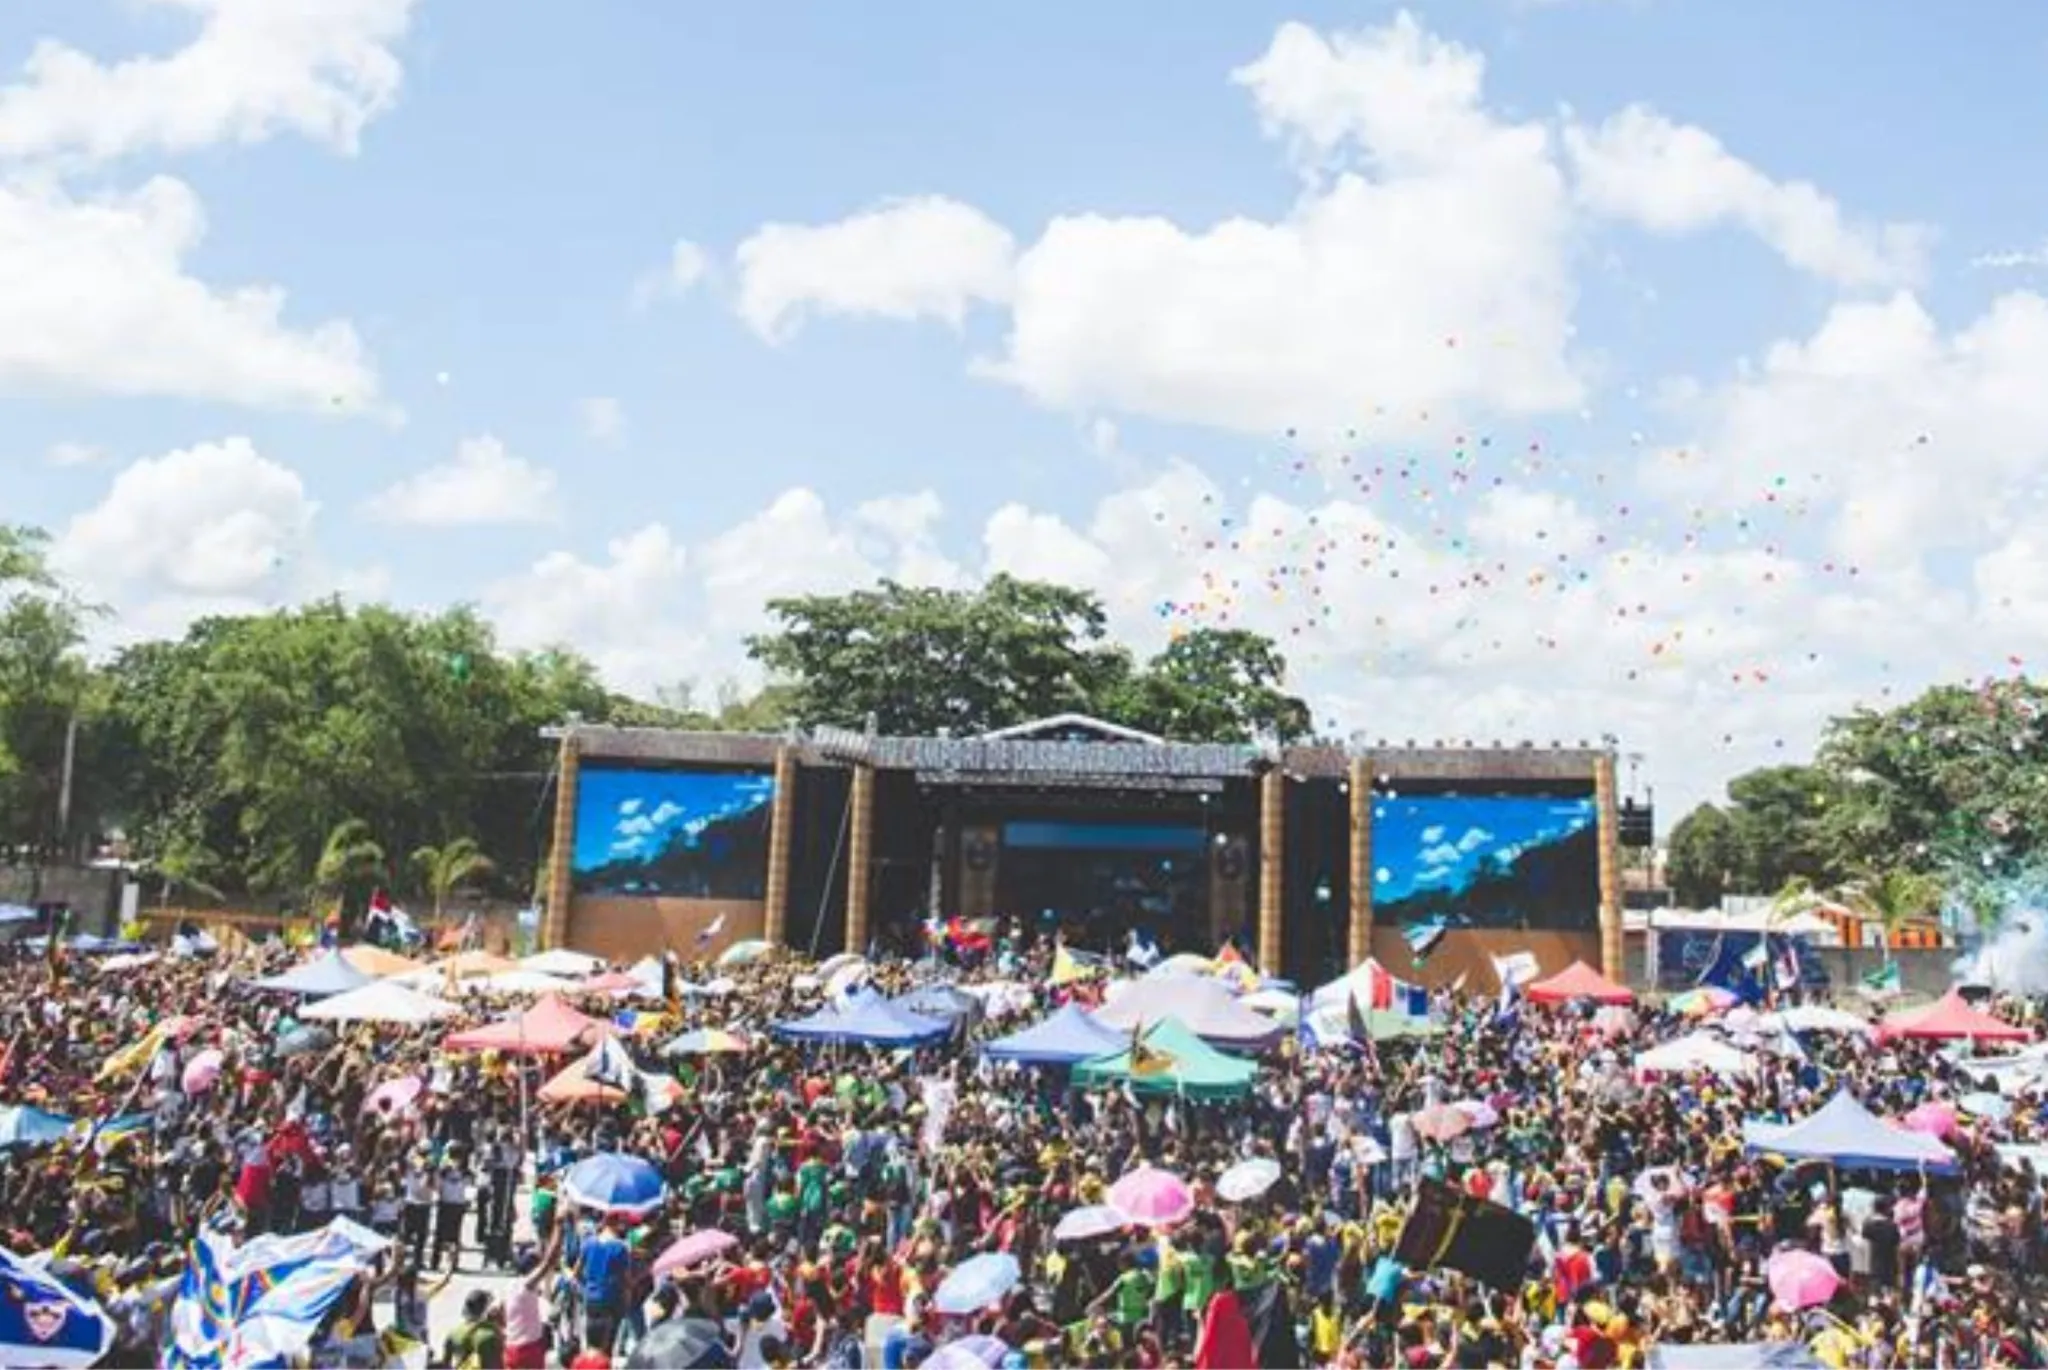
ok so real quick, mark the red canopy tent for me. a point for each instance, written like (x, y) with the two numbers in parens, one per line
(1951, 1018)
(1578, 981)
(549, 1027)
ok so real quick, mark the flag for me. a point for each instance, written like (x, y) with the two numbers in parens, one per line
(1450, 1228)
(261, 1303)
(610, 1066)
(43, 1321)
(1756, 956)
(1355, 1023)
(1885, 979)
(1140, 950)
(1147, 1060)
(710, 931)
(137, 1055)
(104, 1137)
(1065, 968)
(1423, 938)
(1788, 965)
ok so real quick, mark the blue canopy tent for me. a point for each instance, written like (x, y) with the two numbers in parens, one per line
(869, 1020)
(1845, 1133)
(1067, 1038)
(324, 975)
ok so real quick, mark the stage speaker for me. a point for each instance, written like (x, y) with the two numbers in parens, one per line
(1636, 824)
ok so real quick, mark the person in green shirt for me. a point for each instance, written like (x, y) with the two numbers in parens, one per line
(1198, 1276)
(477, 1341)
(811, 1178)
(782, 1208)
(1130, 1298)
(1167, 1292)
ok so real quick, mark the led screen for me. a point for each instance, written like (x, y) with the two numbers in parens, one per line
(677, 834)
(1486, 861)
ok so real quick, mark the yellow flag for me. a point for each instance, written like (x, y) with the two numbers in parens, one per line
(134, 1056)
(1065, 969)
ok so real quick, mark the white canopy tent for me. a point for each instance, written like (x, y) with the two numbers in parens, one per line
(381, 1002)
(573, 965)
(1696, 1051)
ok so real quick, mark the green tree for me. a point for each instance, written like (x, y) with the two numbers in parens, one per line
(350, 867)
(447, 868)
(1700, 857)
(45, 689)
(1891, 898)
(922, 660)
(1212, 685)
(1778, 817)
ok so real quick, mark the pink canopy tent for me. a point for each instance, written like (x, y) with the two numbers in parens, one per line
(1951, 1018)
(549, 1027)
(1578, 981)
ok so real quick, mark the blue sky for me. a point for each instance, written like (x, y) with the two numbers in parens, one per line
(1698, 363)
(1441, 841)
(634, 815)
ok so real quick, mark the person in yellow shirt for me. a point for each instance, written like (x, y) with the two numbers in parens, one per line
(1326, 1329)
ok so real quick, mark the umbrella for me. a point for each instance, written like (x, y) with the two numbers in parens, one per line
(977, 1283)
(1936, 1119)
(614, 1183)
(744, 953)
(201, 1072)
(301, 1040)
(395, 1098)
(706, 1243)
(1800, 1279)
(1248, 1179)
(1441, 1122)
(1151, 1197)
(618, 983)
(1697, 1003)
(705, 1042)
(688, 1343)
(969, 1353)
(1093, 1220)
(21, 1125)
(561, 961)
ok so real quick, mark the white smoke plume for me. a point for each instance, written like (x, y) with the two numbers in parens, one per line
(2014, 956)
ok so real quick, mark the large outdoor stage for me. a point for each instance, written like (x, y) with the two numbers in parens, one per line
(1313, 857)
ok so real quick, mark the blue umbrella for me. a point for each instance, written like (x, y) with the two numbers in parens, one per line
(21, 1125)
(613, 1182)
(977, 1283)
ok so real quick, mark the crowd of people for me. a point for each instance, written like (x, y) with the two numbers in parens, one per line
(840, 1206)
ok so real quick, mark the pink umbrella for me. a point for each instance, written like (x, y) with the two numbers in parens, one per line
(1151, 1197)
(1800, 1279)
(1441, 1122)
(395, 1098)
(693, 1249)
(1936, 1119)
(201, 1072)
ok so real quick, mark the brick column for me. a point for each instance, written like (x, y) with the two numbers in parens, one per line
(1272, 861)
(860, 846)
(775, 918)
(1359, 945)
(554, 925)
(1611, 957)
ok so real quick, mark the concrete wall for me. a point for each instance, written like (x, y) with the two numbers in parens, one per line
(624, 928)
(1922, 974)
(93, 894)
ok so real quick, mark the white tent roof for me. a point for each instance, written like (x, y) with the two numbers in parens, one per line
(382, 1002)
(521, 981)
(1697, 1051)
(1814, 1018)
(562, 961)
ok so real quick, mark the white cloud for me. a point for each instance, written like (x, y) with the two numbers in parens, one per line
(95, 298)
(625, 612)
(687, 265)
(1668, 177)
(1424, 267)
(923, 258)
(604, 418)
(2028, 259)
(483, 484)
(256, 68)
(213, 520)
(73, 454)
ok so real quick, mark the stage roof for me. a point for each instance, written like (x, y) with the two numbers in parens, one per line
(1065, 755)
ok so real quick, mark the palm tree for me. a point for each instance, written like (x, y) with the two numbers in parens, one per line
(447, 868)
(1891, 898)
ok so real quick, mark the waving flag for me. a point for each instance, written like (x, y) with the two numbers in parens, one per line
(44, 1322)
(710, 931)
(1885, 979)
(1423, 938)
(610, 1066)
(261, 1303)
(1140, 950)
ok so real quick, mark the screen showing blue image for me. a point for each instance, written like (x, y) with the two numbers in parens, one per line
(679, 834)
(1486, 861)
